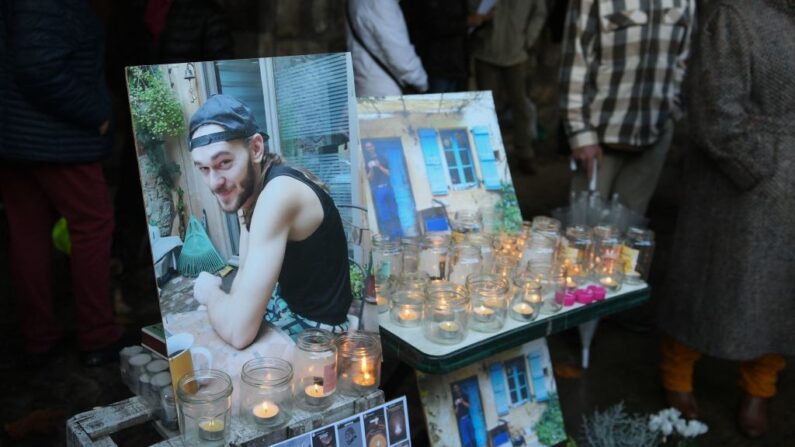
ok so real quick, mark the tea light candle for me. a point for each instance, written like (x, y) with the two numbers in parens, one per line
(212, 430)
(408, 314)
(570, 283)
(483, 313)
(608, 282)
(449, 329)
(535, 298)
(315, 395)
(523, 309)
(584, 296)
(265, 412)
(597, 292)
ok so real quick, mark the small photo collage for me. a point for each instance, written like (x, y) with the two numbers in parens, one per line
(383, 426)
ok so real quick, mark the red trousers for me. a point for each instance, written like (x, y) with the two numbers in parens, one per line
(33, 193)
(757, 377)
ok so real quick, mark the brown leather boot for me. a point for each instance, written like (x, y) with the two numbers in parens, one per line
(752, 416)
(683, 401)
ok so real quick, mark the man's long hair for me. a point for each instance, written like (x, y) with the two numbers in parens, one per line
(270, 159)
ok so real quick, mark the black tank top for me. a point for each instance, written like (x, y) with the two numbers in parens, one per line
(315, 277)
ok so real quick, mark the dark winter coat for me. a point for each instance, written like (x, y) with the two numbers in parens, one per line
(53, 88)
(731, 290)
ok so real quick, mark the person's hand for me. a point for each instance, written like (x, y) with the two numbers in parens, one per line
(458, 401)
(103, 128)
(586, 156)
(475, 20)
(205, 286)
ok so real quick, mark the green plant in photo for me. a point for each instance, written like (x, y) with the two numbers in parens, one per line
(508, 205)
(156, 115)
(549, 428)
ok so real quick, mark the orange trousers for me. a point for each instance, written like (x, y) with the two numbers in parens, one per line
(757, 377)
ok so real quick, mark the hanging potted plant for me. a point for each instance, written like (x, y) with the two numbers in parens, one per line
(157, 115)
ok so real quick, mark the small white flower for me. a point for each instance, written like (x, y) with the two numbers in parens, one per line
(666, 428)
(681, 426)
(655, 421)
(696, 428)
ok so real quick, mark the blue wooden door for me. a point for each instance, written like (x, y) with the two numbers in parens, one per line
(391, 150)
(537, 375)
(471, 390)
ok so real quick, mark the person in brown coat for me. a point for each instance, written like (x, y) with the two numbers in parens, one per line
(731, 290)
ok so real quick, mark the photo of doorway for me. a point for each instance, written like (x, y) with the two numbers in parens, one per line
(468, 408)
(390, 186)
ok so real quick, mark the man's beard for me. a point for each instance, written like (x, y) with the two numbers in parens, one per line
(247, 190)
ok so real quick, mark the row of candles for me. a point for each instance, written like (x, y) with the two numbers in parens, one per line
(270, 388)
(485, 277)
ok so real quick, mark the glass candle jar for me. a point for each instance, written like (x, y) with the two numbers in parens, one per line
(359, 363)
(606, 245)
(205, 398)
(576, 248)
(542, 242)
(406, 307)
(411, 254)
(546, 276)
(266, 393)
(387, 258)
(488, 301)
(168, 409)
(465, 261)
(610, 274)
(636, 253)
(445, 316)
(527, 301)
(315, 369)
(414, 281)
(565, 290)
(485, 243)
(491, 217)
(434, 250)
(505, 266)
(465, 222)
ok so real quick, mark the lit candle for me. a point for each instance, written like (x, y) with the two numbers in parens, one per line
(366, 378)
(315, 394)
(523, 308)
(265, 412)
(570, 284)
(483, 313)
(212, 430)
(534, 298)
(449, 329)
(608, 281)
(408, 314)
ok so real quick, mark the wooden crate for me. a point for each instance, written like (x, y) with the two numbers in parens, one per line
(94, 428)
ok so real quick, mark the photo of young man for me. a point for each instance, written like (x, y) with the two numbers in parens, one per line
(293, 256)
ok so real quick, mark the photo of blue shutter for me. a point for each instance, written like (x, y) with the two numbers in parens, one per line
(499, 388)
(488, 164)
(537, 376)
(433, 161)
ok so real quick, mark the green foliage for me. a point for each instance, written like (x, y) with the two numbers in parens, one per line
(509, 205)
(549, 428)
(155, 109)
(156, 114)
(357, 280)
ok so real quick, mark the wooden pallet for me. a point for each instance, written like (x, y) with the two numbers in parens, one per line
(94, 428)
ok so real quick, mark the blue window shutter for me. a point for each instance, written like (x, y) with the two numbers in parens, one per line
(433, 161)
(537, 375)
(488, 164)
(500, 391)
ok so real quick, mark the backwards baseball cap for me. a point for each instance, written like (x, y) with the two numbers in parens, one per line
(228, 112)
